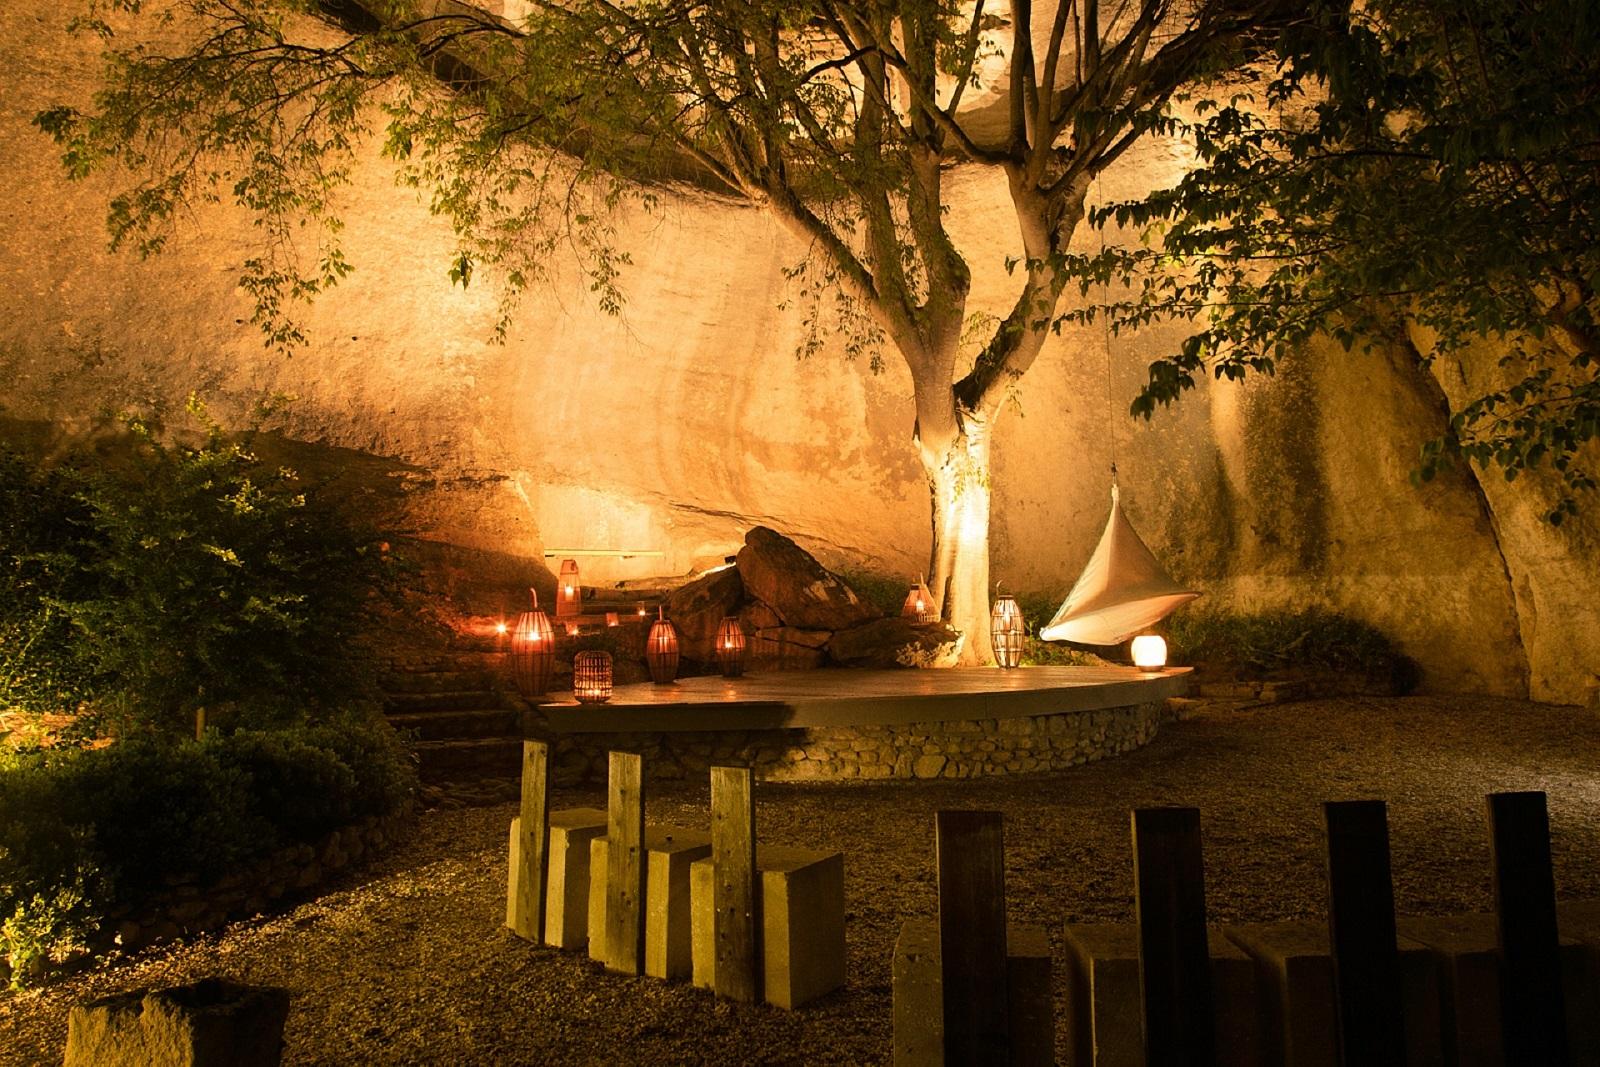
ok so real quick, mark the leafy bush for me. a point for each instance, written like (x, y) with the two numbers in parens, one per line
(187, 577)
(83, 830)
(1275, 642)
(887, 593)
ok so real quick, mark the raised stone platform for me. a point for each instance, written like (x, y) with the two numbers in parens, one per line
(852, 724)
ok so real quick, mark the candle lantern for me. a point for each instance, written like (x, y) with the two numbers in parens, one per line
(533, 651)
(919, 606)
(730, 647)
(591, 677)
(1006, 631)
(612, 619)
(661, 650)
(569, 594)
(1149, 652)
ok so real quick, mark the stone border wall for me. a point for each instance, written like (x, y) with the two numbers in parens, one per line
(966, 748)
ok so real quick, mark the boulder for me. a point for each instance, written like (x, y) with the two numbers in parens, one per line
(896, 642)
(786, 648)
(803, 592)
(697, 609)
(212, 1022)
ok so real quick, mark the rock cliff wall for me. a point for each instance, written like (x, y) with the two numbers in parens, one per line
(664, 434)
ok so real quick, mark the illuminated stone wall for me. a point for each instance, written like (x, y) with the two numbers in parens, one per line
(667, 432)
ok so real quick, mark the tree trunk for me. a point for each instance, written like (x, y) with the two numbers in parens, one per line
(958, 478)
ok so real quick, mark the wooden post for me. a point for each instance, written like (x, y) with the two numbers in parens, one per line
(1174, 958)
(1361, 931)
(525, 909)
(972, 936)
(1532, 1004)
(735, 922)
(624, 932)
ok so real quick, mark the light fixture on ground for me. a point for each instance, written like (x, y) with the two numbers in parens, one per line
(569, 594)
(730, 647)
(1007, 631)
(1149, 652)
(533, 651)
(661, 649)
(919, 606)
(591, 677)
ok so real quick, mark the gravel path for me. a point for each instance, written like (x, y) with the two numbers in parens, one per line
(407, 962)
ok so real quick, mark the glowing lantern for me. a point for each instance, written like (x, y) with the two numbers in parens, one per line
(591, 677)
(1149, 652)
(730, 647)
(533, 651)
(572, 629)
(569, 594)
(919, 604)
(1006, 631)
(661, 650)
(612, 619)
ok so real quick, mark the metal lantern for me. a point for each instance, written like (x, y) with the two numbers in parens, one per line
(533, 651)
(661, 650)
(919, 605)
(1006, 631)
(569, 594)
(730, 647)
(1149, 652)
(591, 677)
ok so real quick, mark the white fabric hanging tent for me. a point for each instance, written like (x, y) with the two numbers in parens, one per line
(1122, 590)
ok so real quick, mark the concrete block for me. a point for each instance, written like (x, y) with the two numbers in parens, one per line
(566, 909)
(1030, 1006)
(1468, 958)
(1295, 971)
(918, 996)
(669, 852)
(802, 923)
(1103, 997)
(212, 1023)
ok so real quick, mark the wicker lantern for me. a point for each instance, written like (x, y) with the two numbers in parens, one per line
(591, 677)
(569, 594)
(730, 647)
(1149, 652)
(533, 651)
(919, 606)
(661, 650)
(1006, 631)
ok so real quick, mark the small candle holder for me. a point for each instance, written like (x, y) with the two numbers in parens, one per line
(591, 677)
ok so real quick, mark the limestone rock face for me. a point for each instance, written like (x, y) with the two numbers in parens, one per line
(896, 642)
(802, 592)
(697, 609)
(787, 648)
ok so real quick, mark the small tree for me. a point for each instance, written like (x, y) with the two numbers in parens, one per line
(840, 119)
(1425, 171)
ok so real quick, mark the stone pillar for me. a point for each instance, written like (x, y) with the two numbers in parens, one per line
(212, 1023)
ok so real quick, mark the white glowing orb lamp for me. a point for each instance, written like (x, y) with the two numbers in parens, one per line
(1149, 652)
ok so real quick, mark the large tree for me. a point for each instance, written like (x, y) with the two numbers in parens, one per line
(839, 118)
(1423, 172)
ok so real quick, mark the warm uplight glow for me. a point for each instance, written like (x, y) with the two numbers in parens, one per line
(1149, 652)
(500, 627)
(1007, 631)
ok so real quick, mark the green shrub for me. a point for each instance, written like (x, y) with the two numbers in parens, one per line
(887, 593)
(1272, 642)
(83, 830)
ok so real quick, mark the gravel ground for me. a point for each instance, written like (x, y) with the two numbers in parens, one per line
(407, 961)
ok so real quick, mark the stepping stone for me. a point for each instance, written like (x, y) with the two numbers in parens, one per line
(669, 851)
(1105, 1003)
(802, 923)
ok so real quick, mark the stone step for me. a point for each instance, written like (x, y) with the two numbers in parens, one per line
(442, 680)
(465, 760)
(466, 700)
(458, 725)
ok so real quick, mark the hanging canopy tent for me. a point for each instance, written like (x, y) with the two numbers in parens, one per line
(1121, 591)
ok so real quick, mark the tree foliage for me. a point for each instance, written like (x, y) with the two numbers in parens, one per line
(1420, 170)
